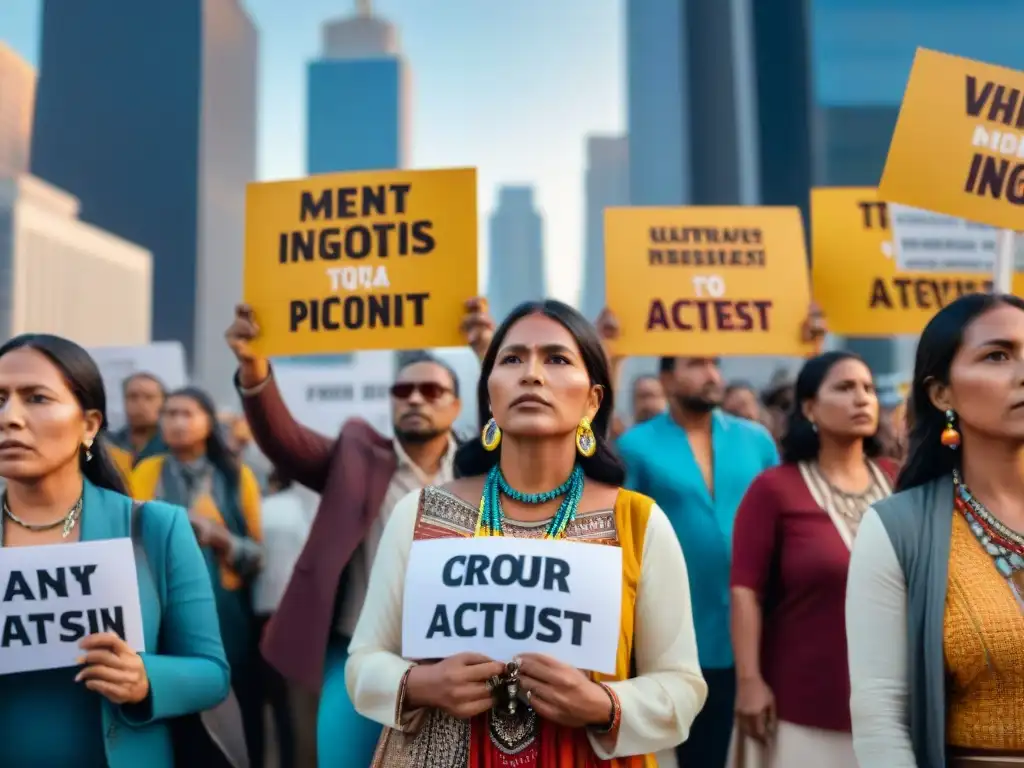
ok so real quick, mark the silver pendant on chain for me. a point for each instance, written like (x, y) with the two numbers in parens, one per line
(69, 524)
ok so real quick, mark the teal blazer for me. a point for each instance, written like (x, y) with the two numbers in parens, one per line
(185, 662)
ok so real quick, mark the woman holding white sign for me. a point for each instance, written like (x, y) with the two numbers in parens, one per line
(115, 709)
(542, 469)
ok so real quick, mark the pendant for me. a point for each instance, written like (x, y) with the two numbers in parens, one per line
(69, 524)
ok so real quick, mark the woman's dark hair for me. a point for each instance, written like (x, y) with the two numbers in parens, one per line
(82, 376)
(927, 458)
(217, 450)
(604, 466)
(800, 442)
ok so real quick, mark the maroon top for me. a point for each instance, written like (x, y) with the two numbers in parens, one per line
(787, 550)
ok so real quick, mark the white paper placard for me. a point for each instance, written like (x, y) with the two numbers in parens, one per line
(53, 596)
(502, 596)
(932, 242)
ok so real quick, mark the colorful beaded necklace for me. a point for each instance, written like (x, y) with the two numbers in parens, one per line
(1004, 545)
(495, 485)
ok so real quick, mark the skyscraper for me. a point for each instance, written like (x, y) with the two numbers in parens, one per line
(606, 186)
(516, 271)
(158, 142)
(17, 97)
(358, 97)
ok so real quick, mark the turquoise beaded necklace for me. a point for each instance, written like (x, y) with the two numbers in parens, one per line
(495, 486)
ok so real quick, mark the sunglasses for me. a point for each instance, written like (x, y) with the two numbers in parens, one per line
(428, 390)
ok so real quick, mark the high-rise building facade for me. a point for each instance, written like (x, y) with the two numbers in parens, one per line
(606, 185)
(859, 83)
(358, 98)
(516, 269)
(158, 143)
(17, 100)
(61, 275)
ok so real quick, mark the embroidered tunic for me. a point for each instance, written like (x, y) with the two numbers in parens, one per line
(658, 704)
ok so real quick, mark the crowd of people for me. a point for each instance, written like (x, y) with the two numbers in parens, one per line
(808, 578)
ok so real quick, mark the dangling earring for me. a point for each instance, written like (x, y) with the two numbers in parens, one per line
(491, 436)
(88, 452)
(586, 443)
(950, 437)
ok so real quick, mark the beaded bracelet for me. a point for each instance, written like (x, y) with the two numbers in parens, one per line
(400, 704)
(615, 719)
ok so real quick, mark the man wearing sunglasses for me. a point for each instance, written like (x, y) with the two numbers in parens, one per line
(360, 476)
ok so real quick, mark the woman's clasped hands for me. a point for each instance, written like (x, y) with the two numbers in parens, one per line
(459, 685)
(563, 694)
(112, 669)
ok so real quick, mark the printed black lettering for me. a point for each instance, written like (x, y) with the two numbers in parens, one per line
(720, 315)
(490, 612)
(17, 586)
(475, 568)
(14, 631)
(875, 214)
(461, 630)
(511, 630)
(83, 574)
(552, 629)
(506, 570)
(355, 312)
(112, 620)
(578, 620)
(41, 620)
(321, 207)
(448, 577)
(439, 624)
(556, 575)
(57, 583)
(72, 629)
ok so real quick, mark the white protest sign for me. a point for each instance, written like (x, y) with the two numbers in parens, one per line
(932, 242)
(52, 596)
(502, 596)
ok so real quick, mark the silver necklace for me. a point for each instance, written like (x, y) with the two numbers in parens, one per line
(68, 521)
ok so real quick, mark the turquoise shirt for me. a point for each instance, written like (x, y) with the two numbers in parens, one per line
(50, 720)
(660, 463)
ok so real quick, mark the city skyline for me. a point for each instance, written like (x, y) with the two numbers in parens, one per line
(513, 89)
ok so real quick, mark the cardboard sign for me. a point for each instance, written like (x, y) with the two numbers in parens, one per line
(361, 261)
(958, 147)
(707, 281)
(856, 277)
(54, 595)
(502, 596)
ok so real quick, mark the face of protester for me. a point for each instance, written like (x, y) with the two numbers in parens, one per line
(539, 386)
(742, 402)
(423, 402)
(648, 399)
(846, 405)
(143, 399)
(184, 424)
(42, 425)
(986, 377)
(695, 383)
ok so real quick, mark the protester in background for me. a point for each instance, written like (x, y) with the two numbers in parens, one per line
(791, 551)
(223, 501)
(648, 398)
(936, 584)
(697, 462)
(287, 517)
(140, 438)
(115, 710)
(741, 400)
(361, 476)
(240, 441)
(545, 395)
(778, 403)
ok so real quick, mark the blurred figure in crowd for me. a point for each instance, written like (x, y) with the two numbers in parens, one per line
(140, 438)
(361, 475)
(222, 497)
(741, 400)
(791, 551)
(287, 515)
(115, 710)
(648, 398)
(778, 402)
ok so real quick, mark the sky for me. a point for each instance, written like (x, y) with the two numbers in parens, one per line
(512, 88)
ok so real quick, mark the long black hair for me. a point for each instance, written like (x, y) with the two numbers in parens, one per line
(927, 458)
(604, 466)
(217, 450)
(800, 441)
(82, 376)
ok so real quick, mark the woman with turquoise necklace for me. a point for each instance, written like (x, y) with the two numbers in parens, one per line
(542, 468)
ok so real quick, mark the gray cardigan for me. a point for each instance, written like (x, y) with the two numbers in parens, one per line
(919, 523)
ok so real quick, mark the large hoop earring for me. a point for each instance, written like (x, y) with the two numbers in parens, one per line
(586, 442)
(950, 436)
(491, 435)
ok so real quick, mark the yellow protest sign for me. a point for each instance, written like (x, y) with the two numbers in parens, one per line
(958, 147)
(361, 261)
(706, 281)
(855, 275)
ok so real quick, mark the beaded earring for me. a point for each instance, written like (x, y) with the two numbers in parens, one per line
(950, 436)
(491, 435)
(586, 442)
